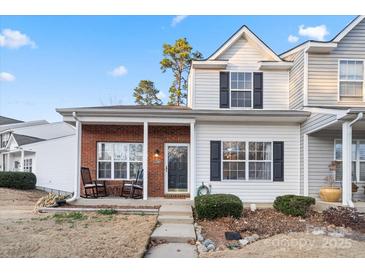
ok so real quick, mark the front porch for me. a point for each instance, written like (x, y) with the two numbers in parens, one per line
(341, 141)
(115, 151)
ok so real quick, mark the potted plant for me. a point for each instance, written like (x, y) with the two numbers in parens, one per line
(331, 192)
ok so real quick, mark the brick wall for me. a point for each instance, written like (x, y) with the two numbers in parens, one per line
(158, 136)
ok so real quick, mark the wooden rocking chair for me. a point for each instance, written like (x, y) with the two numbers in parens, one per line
(134, 190)
(94, 185)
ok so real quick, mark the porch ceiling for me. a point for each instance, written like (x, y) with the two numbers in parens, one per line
(359, 126)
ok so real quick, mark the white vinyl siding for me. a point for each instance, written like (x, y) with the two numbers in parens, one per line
(242, 56)
(323, 86)
(315, 121)
(275, 89)
(321, 154)
(250, 190)
(296, 81)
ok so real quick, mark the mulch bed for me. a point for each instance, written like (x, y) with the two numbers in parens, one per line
(263, 222)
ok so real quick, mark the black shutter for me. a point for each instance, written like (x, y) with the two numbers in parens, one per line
(278, 161)
(215, 160)
(258, 87)
(224, 89)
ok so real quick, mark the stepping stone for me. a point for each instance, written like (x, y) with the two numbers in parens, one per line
(174, 233)
(172, 250)
(175, 219)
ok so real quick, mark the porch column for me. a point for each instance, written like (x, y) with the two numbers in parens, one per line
(22, 160)
(305, 165)
(145, 160)
(78, 159)
(8, 162)
(346, 163)
(192, 160)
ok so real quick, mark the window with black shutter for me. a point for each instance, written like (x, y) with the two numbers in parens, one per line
(215, 160)
(278, 161)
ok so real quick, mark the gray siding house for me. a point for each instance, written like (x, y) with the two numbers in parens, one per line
(327, 79)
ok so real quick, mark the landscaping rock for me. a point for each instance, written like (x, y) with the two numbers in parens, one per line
(199, 237)
(336, 234)
(244, 242)
(211, 247)
(208, 242)
(201, 248)
(318, 231)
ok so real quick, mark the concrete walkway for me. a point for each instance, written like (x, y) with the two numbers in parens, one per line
(176, 229)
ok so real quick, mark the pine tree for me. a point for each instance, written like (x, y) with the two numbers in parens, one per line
(146, 94)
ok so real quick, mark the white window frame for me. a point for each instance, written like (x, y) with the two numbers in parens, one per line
(235, 161)
(247, 161)
(28, 164)
(339, 81)
(112, 161)
(230, 89)
(357, 160)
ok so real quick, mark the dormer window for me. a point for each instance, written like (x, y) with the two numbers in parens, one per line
(241, 89)
(351, 79)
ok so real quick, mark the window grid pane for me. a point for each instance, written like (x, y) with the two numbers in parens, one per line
(351, 76)
(260, 170)
(241, 89)
(119, 160)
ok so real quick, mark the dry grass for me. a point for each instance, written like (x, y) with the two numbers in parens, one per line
(296, 245)
(25, 234)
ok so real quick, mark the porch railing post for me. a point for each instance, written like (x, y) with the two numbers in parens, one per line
(305, 165)
(78, 159)
(346, 163)
(192, 160)
(22, 160)
(145, 160)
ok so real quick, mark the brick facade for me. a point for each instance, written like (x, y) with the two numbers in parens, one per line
(157, 137)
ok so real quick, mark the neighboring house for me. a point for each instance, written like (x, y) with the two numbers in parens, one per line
(257, 125)
(46, 149)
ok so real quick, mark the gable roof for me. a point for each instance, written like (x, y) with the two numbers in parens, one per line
(244, 30)
(331, 43)
(25, 139)
(6, 120)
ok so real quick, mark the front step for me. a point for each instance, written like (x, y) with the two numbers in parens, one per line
(174, 233)
(175, 219)
(180, 210)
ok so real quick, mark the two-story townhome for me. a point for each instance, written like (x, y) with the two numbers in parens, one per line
(257, 125)
(327, 79)
(237, 133)
(46, 149)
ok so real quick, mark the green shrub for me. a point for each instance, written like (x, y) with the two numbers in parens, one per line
(107, 211)
(18, 180)
(218, 205)
(294, 205)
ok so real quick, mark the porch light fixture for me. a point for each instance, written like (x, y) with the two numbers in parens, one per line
(157, 153)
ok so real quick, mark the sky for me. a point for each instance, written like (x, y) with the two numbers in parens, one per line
(49, 62)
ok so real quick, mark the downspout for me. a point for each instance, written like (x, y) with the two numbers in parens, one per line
(76, 193)
(359, 117)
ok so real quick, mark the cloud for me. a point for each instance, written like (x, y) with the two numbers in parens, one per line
(161, 95)
(316, 33)
(293, 38)
(6, 77)
(178, 19)
(119, 71)
(14, 39)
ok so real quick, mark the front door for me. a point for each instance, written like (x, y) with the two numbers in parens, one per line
(176, 168)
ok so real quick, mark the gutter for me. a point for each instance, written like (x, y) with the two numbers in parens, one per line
(76, 193)
(360, 115)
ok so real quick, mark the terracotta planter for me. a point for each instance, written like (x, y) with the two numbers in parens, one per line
(330, 193)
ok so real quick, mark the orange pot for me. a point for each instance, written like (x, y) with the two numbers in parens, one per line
(330, 193)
